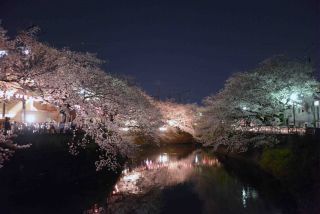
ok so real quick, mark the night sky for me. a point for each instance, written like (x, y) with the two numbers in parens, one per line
(180, 49)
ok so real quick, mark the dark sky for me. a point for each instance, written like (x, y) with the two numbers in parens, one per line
(185, 49)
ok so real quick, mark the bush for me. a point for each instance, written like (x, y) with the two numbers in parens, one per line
(277, 161)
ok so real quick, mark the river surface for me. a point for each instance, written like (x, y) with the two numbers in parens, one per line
(184, 179)
(175, 180)
(170, 179)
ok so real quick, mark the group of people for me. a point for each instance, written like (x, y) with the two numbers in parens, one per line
(52, 127)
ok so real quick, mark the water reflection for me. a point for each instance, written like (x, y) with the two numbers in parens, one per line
(149, 187)
(184, 180)
(160, 172)
(247, 193)
(96, 209)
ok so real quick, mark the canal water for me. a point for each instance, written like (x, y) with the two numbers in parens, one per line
(184, 179)
(167, 179)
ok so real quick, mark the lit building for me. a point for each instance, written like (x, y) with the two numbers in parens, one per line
(23, 106)
(304, 113)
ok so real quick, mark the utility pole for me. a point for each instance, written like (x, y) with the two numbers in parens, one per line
(294, 115)
(316, 106)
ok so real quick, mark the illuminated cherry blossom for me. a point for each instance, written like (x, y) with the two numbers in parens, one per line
(65, 78)
(255, 97)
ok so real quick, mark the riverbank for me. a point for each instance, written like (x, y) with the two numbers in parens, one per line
(294, 163)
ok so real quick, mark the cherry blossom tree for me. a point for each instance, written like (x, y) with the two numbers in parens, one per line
(103, 103)
(255, 96)
(181, 116)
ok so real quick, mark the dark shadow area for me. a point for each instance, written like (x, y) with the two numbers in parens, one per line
(181, 199)
(46, 178)
(287, 174)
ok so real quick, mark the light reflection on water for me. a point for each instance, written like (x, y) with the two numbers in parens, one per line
(157, 183)
(247, 193)
(165, 170)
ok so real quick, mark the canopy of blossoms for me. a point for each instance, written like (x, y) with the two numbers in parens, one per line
(103, 103)
(257, 96)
